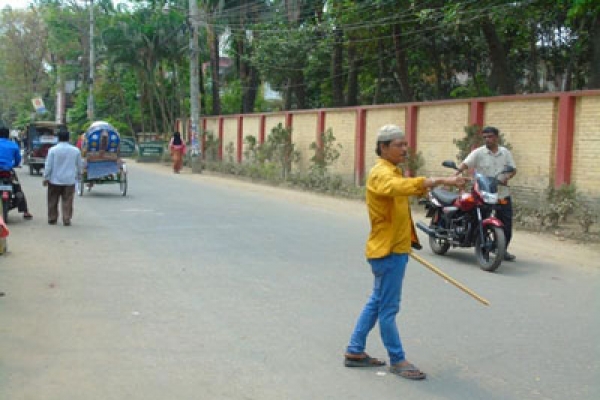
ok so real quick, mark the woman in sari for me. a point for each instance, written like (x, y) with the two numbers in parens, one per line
(177, 149)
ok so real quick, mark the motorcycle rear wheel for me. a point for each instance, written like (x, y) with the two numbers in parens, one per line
(438, 246)
(5, 208)
(491, 253)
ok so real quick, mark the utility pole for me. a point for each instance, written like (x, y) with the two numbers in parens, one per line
(90, 102)
(194, 77)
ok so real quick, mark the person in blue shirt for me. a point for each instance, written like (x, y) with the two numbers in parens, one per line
(10, 157)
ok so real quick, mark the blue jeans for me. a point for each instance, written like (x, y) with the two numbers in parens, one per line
(383, 305)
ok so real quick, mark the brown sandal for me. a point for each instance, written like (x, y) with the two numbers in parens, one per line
(408, 371)
(362, 360)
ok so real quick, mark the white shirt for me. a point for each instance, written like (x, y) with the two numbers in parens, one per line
(490, 164)
(63, 164)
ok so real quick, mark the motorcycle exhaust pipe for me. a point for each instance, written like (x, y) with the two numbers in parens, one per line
(427, 230)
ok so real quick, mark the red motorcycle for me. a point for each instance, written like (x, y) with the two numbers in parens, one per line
(467, 219)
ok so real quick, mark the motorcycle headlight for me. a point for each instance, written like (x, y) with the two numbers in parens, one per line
(490, 198)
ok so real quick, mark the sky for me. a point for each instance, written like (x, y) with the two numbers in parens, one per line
(14, 3)
(25, 3)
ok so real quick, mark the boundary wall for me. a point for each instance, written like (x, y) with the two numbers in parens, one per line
(555, 137)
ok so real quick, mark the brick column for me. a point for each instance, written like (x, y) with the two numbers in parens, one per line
(320, 127)
(411, 130)
(476, 113)
(411, 126)
(220, 153)
(564, 145)
(240, 137)
(261, 129)
(359, 146)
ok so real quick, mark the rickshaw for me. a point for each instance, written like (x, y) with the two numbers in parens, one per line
(39, 136)
(101, 161)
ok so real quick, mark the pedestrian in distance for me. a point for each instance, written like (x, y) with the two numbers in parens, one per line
(387, 250)
(177, 149)
(80, 140)
(490, 159)
(61, 171)
(10, 158)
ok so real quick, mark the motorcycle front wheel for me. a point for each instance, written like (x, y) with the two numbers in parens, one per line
(438, 246)
(491, 252)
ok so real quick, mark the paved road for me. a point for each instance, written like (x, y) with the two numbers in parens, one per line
(194, 287)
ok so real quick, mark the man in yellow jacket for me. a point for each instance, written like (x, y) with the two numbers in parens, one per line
(388, 247)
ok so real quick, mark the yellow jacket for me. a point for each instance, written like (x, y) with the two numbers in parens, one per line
(392, 229)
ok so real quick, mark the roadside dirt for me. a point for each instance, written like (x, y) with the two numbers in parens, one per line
(557, 246)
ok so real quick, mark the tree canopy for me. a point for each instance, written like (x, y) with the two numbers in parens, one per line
(314, 53)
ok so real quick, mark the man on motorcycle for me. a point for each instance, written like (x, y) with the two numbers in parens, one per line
(10, 157)
(490, 160)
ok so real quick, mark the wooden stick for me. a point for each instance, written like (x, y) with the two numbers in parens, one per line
(449, 279)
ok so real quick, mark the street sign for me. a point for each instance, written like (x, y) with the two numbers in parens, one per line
(151, 149)
(127, 146)
(38, 105)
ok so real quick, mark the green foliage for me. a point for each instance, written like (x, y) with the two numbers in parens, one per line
(255, 153)
(211, 147)
(470, 141)
(77, 115)
(557, 206)
(326, 154)
(280, 149)
(229, 153)
(414, 162)
(347, 53)
(587, 218)
(475, 87)
(231, 98)
(266, 161)
(560, 203)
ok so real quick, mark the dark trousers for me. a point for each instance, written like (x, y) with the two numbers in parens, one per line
(19, 195)
(64, 193)
(504, 212)
(21, 200)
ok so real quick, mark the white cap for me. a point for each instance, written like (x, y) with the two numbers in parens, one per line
(389, 132)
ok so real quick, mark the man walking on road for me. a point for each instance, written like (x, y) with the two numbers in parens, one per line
(61, 171)
(388, 247)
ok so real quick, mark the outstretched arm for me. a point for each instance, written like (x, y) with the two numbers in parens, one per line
(457, 181)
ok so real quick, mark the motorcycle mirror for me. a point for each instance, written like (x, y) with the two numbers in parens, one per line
(449, 164)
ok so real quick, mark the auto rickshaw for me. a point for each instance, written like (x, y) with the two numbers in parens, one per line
(38, 138)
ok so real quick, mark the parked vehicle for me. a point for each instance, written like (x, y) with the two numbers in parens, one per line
(39, 137)
(7, 194)
(467, 219)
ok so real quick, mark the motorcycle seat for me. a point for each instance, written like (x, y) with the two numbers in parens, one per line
(445, 197)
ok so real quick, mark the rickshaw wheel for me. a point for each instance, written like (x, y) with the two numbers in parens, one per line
(123, 183)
